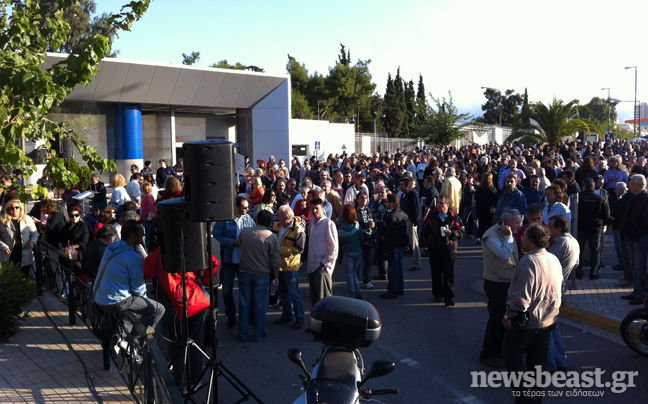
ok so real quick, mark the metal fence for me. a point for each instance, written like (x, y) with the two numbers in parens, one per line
(149, 380)
(379, 142)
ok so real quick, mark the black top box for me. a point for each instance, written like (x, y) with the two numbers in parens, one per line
(345, 321)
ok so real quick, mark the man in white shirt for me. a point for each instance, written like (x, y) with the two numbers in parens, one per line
(322, 252)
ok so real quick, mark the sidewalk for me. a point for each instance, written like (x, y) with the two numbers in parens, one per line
(38, 366)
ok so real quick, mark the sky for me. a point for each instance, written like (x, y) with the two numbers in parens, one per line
(568, 49)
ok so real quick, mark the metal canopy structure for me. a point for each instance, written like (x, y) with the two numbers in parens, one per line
(129, 81)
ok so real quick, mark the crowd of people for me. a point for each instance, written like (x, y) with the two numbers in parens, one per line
(354, 212)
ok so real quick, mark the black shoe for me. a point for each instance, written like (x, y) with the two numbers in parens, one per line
(359, 297)
(231, 322)
(282, 320)
(438, 299)
(628, 297)
(387, 296)
(496, 363)
(579, 276)
(636, 301)
(594, 277)
(618, 268)
(380, 278)
(262, 338)
(449, 303)
(297, 324)
(415, 269)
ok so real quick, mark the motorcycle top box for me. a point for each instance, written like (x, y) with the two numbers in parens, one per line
(345, 321)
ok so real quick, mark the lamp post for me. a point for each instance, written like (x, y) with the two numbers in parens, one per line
(608, 102)
(499, 107)
(318, 111)
(634, 109)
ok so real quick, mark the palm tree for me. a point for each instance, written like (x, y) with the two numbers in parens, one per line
(550, 124)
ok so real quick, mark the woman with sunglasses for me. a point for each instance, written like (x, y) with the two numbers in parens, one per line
(18, 236)
(75, 233)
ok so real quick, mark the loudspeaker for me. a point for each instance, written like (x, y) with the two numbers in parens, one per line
(209, 182)
(180, 237)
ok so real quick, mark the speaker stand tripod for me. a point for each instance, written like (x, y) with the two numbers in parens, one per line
(215, 366)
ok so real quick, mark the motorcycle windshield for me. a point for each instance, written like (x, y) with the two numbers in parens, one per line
(329, 391)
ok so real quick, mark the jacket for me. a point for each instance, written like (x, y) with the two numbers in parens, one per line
(431, 236)
(593, 212)
(171, 282)
(27, 233)
(124, 275)
(515, 200)
(291, 245)
(226, 233)
(349, 237)
(395, 227)
(635, 219)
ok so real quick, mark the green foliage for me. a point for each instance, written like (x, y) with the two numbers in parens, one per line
(442, 125)
(501, 107)
(224, 64)
(190, 59)
(300, 108)
(598, 109)
(16, 291)
(394, 107)
(83, 25)
(27, 93)
(550, 124)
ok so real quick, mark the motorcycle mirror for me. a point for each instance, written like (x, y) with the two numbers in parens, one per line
(295, 357)
(378, 369)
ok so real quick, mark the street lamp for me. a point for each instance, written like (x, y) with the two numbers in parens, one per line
(634, 109)
(499, 107)
(608, 102)
(318, 113)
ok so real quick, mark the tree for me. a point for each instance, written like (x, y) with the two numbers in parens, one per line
(500, 109)
(82, 25)
(345, 57)
(443, 124)
(224, 64)
(597, 110)
(393, 108)
(551, 124)
(190, 59)
(27, 92)
(409, 127)
(348, 89)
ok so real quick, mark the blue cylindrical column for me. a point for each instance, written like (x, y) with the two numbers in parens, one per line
(128, 134)
(128, 137)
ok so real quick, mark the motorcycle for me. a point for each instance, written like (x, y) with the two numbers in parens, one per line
(343, 325)
(634, 330)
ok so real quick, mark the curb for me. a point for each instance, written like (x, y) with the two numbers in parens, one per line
(587, 317)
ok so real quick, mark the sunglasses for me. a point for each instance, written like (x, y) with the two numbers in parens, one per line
(13, 208)
(75, 215)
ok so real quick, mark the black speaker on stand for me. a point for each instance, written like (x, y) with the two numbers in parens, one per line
(209, 194)
(182, 248)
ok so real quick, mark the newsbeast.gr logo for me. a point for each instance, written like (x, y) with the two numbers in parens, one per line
(572, 380)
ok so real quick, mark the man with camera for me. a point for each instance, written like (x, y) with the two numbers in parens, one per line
(533, 303)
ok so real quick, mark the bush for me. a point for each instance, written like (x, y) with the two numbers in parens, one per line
(15, 292)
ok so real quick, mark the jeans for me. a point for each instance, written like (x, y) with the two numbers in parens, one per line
(594, 241)
(533, 342)
(640, 255)
(147, 234)
(556, 357)
(617, 248)
(149, 312)
(253, 295)
(396, 284)
(228, 272)
(351, 263)
(367, 262)
(289, 293)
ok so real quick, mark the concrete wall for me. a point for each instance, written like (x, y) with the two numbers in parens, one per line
(270, 125)
(332, 136)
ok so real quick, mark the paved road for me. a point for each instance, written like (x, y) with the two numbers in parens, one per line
(435, 348)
